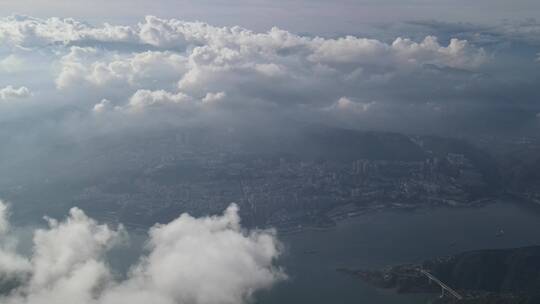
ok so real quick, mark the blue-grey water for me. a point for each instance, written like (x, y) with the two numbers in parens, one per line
(375, 240)
(392, 237)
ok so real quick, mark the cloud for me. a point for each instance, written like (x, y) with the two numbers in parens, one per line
(188, 51)
(103, 106)
(67, 248)
(9, 93)
(521, 31)
(402, 51)
(11, 64)
(169, 71)
(145, 98)
(189, 260)
(257, 70)
(4, 224)
(213, 97)
(347, 105)
(526, 30)
(88, 65)
(26, 31)
(13, 267)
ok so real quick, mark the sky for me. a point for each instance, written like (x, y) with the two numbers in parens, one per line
(299, 16)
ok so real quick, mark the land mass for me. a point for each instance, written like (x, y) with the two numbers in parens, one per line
(303, 177)
(501, 276)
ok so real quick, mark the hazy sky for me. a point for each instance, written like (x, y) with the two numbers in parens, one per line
(313, 16)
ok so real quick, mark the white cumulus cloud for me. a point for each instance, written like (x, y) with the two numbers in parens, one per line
(214, 97)
(170, 68)
(146, 98)
(11, 92)
(207, 260)
(347, 105)
(103, 106)
(26, 31)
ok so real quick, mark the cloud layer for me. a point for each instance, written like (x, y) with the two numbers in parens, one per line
(189, 260)
(448, 78)
(195, 70)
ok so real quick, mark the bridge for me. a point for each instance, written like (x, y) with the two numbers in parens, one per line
(444, 287)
